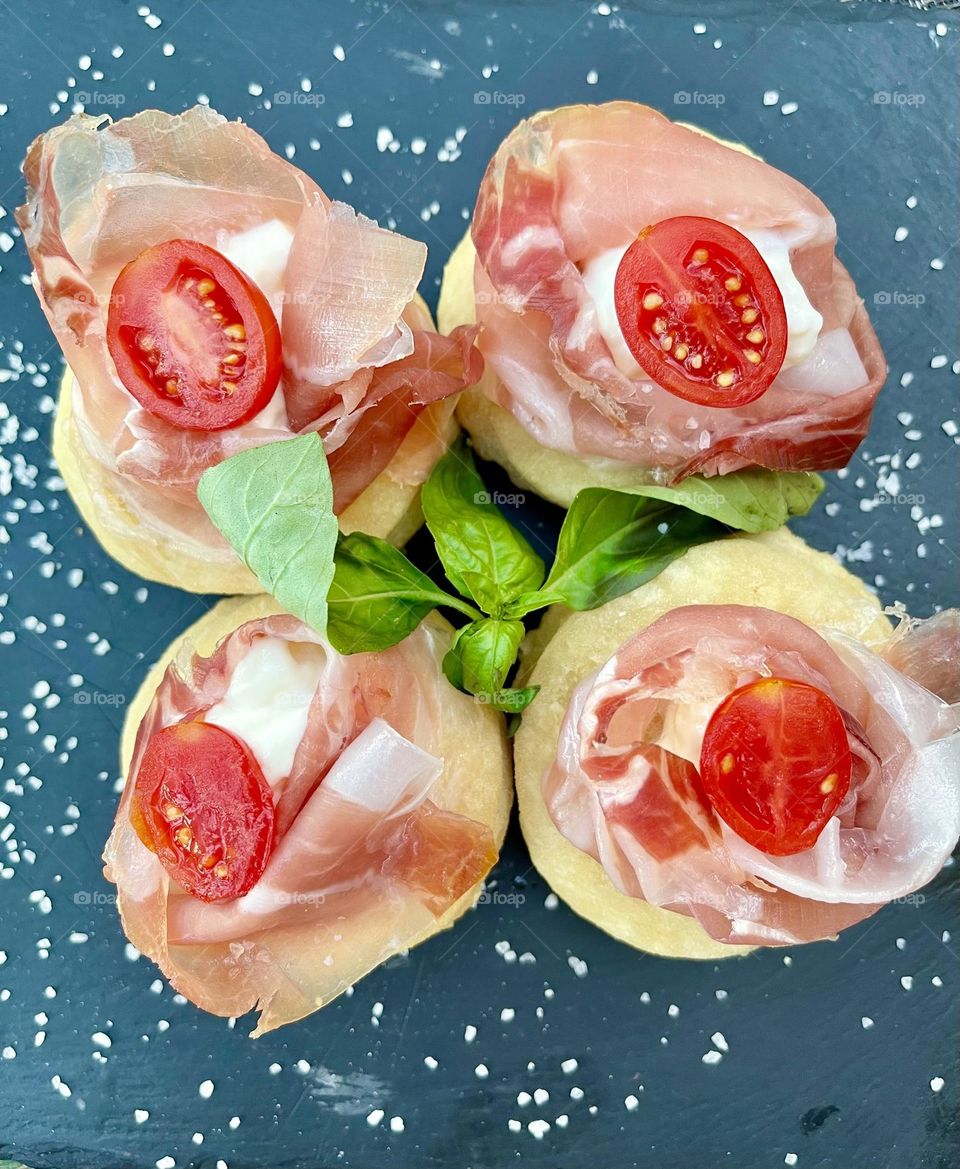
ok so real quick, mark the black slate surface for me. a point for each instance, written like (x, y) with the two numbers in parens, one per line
(805, 1075)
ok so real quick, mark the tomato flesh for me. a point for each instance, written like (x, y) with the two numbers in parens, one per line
(202, 805)
(701, 312)
(194, 341)
(776, 763)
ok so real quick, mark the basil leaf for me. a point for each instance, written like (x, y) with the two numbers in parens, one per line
(753, 500)
(483, 555)
(274, 503)
(612, 542)
(378, 597)
(482, 655)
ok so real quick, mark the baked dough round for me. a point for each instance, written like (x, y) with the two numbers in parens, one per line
(389, 507)
(776, 570)
(477, 777)
(496, 434)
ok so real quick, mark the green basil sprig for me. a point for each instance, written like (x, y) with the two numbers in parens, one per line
(274, 505)
(483, 555)
(377, 597)
(611, 543)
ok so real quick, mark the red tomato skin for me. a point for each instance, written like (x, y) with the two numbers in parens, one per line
(135, 311)
(660, 262)
(776, 763)
(218, 845)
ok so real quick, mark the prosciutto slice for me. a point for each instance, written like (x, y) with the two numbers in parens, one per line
(569, 185)
(625, 788)
(342, 288)
(364, 861)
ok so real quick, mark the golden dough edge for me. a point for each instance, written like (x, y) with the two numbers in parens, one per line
(776, 570)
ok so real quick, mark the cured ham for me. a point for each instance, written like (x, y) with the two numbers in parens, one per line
(565, 195)
(625, 787)
(360, 353)
(364, 861)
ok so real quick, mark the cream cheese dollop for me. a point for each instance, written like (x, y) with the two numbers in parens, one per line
(267, 702)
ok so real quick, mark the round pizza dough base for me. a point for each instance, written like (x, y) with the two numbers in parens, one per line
(388, 507)
(776, 570)
(477, 777)
(496, 434)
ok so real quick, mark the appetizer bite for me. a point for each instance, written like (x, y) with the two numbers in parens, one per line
(742, 752)
(210, 298)
(654, 304)
(293, 817)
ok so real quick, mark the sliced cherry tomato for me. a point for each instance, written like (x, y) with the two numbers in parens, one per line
(193, 340)
(776, 763)
(202, 805)
(701, 311)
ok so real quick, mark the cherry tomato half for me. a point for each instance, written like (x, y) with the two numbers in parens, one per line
(775, 763)
(202, 805)
(193, 340)
(701, 311)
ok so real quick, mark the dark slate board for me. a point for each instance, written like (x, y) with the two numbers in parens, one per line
(804, 1074)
